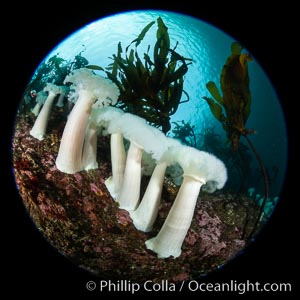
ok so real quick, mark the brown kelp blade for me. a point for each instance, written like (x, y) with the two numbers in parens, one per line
(214, 91)
(215, 109)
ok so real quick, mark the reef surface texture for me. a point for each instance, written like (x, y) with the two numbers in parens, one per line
(76, 214)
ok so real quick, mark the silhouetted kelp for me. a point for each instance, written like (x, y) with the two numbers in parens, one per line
(152, 88)
(233, 108)
(53, 70)
(185, 132)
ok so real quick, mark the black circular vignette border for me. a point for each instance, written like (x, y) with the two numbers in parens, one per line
(33, 266)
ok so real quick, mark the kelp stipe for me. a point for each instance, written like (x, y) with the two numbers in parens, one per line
(233, 108)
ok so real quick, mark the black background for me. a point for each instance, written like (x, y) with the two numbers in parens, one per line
(33, 268)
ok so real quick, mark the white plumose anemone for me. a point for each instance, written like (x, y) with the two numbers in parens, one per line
(142, 137)
(145, 215)
(89, 87)
(108, 117)
(41, 97)
(62, 95)
(40, 125)
(199, 168)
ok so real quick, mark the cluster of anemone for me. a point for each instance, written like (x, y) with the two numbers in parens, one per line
(94, 97)
(199, 169)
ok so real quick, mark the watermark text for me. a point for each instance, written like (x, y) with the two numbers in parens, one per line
(192, 286)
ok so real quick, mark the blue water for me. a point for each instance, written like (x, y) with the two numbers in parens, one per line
(209, 48)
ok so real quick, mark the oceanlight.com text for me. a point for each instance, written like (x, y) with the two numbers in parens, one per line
(193, 286)
(239, 287)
